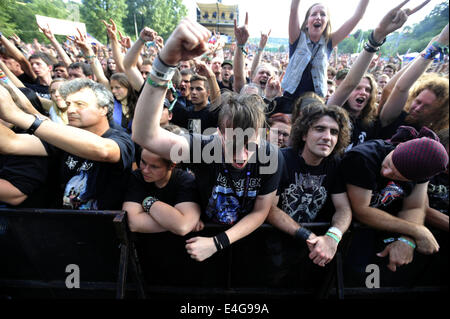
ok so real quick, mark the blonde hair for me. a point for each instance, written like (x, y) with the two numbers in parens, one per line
(327, 31)
(439, 86)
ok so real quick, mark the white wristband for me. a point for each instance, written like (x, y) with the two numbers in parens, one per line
(162, 71)
(335, 231)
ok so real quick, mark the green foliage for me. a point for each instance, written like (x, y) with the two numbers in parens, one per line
(160, 15)
(94, 11)
(413, 38)
(20, 16)
(6, 23)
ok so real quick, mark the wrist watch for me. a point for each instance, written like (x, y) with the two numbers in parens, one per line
(37, 122)
(148, 202)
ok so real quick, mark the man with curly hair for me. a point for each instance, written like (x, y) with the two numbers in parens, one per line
(311, 179)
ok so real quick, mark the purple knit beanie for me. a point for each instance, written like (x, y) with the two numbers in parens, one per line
(420, 159)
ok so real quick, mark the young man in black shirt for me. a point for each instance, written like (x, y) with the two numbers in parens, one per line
(311, 179)
(237, 179)
(387, 187)
(161, 198)
(94, 159)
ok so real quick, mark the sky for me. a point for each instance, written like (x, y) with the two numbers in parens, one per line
(274, 15)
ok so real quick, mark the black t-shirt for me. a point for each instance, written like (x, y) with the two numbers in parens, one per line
(304, 190)
(221, 202)
(361, 166)
(438, 193)
(86, 184)
(180, 188)
(361, 133)
(29, 175)
(41, 90)
(194, 121)
(26, 79)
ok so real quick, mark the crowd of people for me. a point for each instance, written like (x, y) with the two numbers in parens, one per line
(190, 131)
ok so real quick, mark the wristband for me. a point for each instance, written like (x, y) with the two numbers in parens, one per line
(90, 56)
(432, 51)
(302, 233)
(161, 70)
(148, 202)
(139, 38)
(260, 50)
(37, 122)
(242, 48)
(336, 231)
(369, 48)
(406, 241)
(157, 85)
(373, 43)
(221, 241)
(336, 238)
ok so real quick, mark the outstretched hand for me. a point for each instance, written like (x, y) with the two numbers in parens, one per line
(80, 41)
(47, 32)
(125, 41)
(111, 29)
(241, 33)
(263, 39)
(187, 41)
(394, 20)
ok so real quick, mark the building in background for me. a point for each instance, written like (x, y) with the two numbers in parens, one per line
(218, 17)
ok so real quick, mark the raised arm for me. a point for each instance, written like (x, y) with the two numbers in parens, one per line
(188, 41)
(341, 33)
(214, 90)
(111, 29)
(61, 53)
(242, 36)
(258, 56)
(392, 21)
(80, 41)
(131, 58)
(396, 101)
(294, 22)
(18, 56)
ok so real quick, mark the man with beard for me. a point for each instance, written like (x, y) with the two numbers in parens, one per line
(227, 76)
(311, 179)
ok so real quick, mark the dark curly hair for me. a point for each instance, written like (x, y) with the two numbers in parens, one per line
(313, 113)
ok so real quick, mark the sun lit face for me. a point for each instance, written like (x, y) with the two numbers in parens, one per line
(317, 20)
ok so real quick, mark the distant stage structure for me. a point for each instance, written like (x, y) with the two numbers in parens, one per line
(218, 17)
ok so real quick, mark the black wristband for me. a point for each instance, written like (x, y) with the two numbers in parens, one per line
(164, 63)
(373, 43)
(369, 48)
(37, 122)
(302, 233)
(216, 242)
(222, 241)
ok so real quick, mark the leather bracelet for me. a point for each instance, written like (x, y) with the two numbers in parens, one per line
(373, 42)
(369, 48)
(37, 122)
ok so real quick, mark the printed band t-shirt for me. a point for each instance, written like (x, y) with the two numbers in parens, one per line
(86, 184)
(361, 166)
(222, 202)
(305, 190)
